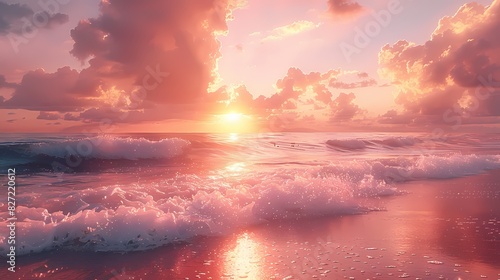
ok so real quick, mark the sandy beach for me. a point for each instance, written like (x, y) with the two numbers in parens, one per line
(441, 229)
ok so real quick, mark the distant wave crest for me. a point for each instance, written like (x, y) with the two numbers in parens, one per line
(361, 144)
(113, 147)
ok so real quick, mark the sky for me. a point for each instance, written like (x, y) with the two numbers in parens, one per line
(249, 65)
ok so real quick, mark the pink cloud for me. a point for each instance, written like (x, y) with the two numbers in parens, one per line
(164, 50)
(456, 72)
(344, 7)
(41, 91)
(177, 39)
(343, 108)
(323, 94)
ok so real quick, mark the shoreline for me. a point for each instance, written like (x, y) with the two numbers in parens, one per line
(440, 228)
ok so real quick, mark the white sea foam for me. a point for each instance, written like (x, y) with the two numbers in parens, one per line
(142, 216)
(113, 147)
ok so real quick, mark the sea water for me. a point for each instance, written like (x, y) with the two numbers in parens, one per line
(120, 193)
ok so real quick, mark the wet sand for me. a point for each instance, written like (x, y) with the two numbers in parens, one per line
(442, 229)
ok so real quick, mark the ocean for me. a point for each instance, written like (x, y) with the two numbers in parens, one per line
(136, 192)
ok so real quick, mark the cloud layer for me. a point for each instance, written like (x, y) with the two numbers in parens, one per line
(456, 72)
(157, 59)
(146, 52)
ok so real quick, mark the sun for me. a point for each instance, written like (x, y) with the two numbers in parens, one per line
(232, 117)
(234, 122)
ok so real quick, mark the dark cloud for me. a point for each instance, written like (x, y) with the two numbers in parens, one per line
(5, 84)
(57, 19)
(71, 117)
(48, 116)
(344, 7)
(12, 15)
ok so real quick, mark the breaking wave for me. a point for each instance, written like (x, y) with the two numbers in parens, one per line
(132, 217)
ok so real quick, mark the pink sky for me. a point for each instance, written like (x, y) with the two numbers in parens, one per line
(247, 66)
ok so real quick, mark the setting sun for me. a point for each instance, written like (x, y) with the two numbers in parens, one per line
(232, 117)
(234, 123)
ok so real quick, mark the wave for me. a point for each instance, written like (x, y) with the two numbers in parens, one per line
(112, 147)
(348, 144)
(140, 217)
(136, 217)
(361, 144)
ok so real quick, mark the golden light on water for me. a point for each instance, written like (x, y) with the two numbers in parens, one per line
(236, 168)
(233, 137)
(243, 260)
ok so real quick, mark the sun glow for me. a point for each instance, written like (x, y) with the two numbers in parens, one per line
(232, 117)
(234, 123)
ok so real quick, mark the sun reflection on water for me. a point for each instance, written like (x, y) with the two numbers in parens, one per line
(243, 260)
(236, 168)
(233, 137)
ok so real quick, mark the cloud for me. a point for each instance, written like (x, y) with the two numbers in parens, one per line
(343, 108)
(308, 96)
(290, 30)
(42, 91)
(323, 94)
(14, 16)
(157, 60)
(456, 72)
(134, 61)
(56, 19)
(71, 117)
(351, 80)
(5, 84)
(173, 50)
(344, 7)
(48, 116)
(10, 13)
